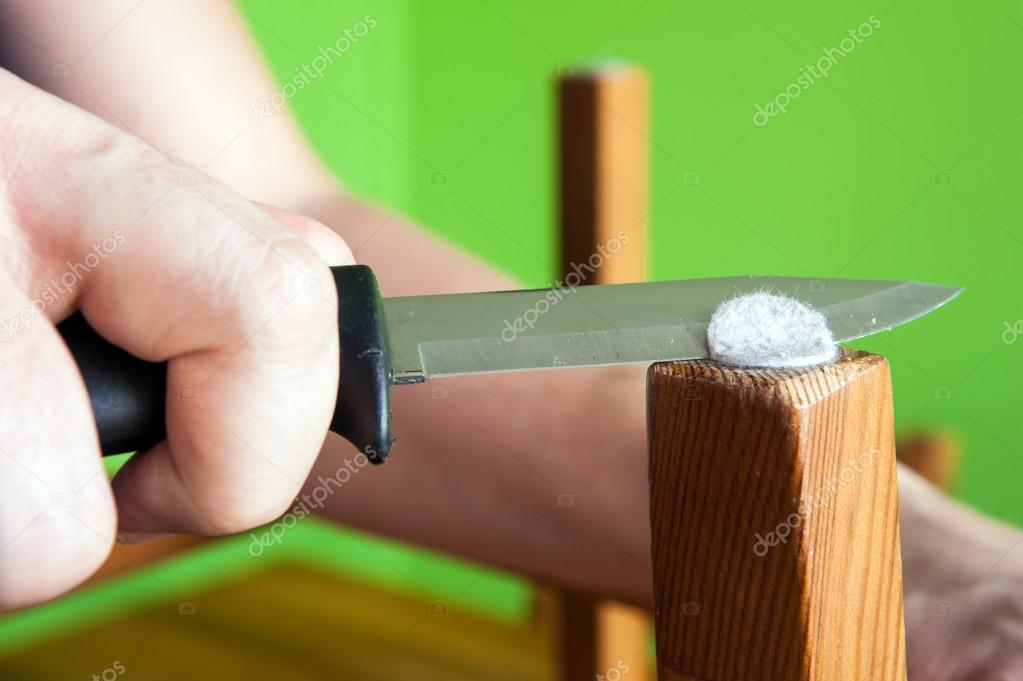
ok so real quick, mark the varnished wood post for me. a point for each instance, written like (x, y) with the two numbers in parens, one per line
(774, 513)
(602, 116)
(603, 149)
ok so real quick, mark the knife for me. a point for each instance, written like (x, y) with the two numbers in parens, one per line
(402, 340)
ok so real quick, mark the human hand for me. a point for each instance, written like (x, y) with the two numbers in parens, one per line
(170, 265)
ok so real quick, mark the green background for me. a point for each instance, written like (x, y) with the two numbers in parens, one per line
(903, 164)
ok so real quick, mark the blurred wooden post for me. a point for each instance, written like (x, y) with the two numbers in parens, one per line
(934, 455)
(774, 511)
(603, 171)
(603, 183)
(624, 634)
(577, 632)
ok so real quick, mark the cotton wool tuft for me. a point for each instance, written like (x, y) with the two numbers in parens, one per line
(769, 330)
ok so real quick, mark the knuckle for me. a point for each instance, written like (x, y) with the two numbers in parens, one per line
(296, 293)
(327, 243)
(111, 152)
(303, 224)
(285, 266)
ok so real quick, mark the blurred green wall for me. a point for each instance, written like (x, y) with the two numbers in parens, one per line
(904, 163)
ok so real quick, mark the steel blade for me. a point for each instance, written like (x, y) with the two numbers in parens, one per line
(612, 324)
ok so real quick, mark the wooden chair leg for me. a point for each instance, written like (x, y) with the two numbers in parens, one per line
(624, 633)
(775, 527)
(603, 176)
(600, 640)
(578, 637)
(603, 148)
(935, 455)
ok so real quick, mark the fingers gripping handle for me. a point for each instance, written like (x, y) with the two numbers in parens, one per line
(128, 395)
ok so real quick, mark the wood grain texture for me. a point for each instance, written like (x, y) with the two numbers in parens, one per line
(774, 512)
(603, 149)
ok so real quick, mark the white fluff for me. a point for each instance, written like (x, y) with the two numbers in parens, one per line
(769, 330)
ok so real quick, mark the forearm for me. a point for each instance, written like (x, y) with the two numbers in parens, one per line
(947, 546)
(180, 74)
(542, 473)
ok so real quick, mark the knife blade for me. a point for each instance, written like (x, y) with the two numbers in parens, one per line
(447, 335)
(411, 339)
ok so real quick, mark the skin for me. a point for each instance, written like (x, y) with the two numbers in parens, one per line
(482, 464)
(245, 319)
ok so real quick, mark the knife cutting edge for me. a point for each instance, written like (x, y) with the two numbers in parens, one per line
(387, 341)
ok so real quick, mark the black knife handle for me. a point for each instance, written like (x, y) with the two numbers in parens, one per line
(362, 414)
(128, 394)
